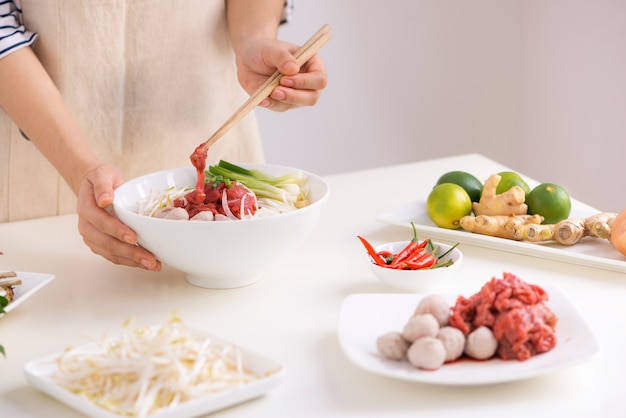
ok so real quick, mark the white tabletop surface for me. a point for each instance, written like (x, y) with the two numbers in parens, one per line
(291, 314)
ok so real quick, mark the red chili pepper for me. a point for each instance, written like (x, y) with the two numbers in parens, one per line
(425, 261)
(411, 247)
(416, 254)
(372, 252)
(387, 256)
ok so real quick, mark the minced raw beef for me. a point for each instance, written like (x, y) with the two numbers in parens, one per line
(516, 313)
(240, 200)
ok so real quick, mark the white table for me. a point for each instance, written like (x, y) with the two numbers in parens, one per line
(291, 314)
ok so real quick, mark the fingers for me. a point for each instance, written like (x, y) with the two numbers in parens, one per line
(284, 61)
(312, 76)
(102, 232)
(114, 250)
(301, 89)
(104, 180)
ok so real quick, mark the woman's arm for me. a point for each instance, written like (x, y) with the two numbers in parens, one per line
(32, 101)
(253, 19)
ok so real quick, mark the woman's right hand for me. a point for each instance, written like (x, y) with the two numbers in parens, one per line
(257, 59)
(103, 233)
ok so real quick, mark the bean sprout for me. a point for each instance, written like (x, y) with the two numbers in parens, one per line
(150, 368)
(158, 200)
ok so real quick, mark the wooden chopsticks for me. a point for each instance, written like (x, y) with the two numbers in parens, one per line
(305, 53)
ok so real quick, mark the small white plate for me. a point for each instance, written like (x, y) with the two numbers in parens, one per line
(591, 252)
(31, 283)
(39, 373)
(364, 317)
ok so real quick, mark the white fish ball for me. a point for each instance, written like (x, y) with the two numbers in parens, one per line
(176, 214)
(205, 215)
(421, 325)
(392, 345)
(160, 213)
(437, 306)
(481, 344)
(453, 341)
(427, 353)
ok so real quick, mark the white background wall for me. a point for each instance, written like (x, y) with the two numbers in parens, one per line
(538, 85)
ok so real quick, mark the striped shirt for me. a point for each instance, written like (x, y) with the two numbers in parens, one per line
(287, 11)
(13, 34)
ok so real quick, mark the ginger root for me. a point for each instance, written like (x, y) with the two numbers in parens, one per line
(567, 231)
(509, 203)
(600, 225)
(533, 233)
(501, 226)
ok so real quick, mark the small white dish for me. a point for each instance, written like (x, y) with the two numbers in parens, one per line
(423, 280)
(364, 317)
(40, 372)
(31, 283)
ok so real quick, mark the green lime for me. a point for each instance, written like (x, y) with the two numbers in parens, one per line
(509, 179)
(447, 203)
(467, 181)
(550, 201)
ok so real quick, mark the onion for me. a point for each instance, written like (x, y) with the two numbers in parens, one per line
(226, 208)
(618, 232)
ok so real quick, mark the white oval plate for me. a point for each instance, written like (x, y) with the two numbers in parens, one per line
(590, 252)
(364, 317)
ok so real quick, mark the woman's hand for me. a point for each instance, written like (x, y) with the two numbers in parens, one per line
(103, 233)
(301, 86)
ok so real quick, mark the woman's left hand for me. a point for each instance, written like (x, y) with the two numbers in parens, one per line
(103, 233)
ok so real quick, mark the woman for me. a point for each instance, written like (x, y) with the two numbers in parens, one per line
(118, 88)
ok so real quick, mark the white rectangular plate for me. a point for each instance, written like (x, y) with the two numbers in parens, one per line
(365, 317)
(592, 252)
(39, 373)
(31, 283)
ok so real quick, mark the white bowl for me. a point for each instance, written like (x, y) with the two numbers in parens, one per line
(421, 281)
(220, 254)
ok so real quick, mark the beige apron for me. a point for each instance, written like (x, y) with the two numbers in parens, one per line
(147, 80)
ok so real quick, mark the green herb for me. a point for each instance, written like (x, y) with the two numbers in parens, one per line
(285, 188)
(449, 251)
(440, 262)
